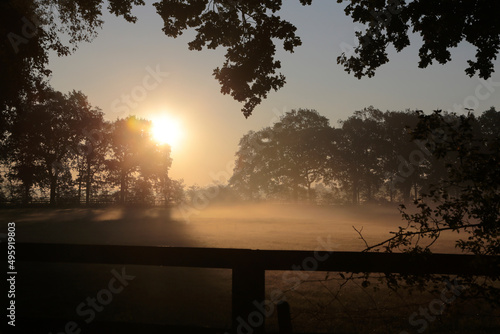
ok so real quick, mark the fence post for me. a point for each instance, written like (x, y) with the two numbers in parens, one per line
(248, 292)
(284, 319)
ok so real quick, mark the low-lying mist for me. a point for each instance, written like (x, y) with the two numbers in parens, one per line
(252, 226)
(294, 226)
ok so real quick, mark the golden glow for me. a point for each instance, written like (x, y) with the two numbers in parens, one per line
(167, 130)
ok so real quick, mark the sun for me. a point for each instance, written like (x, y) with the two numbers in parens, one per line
(166, 130)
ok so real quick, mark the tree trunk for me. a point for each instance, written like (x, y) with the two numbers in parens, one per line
(406, 194)
(54, 169)
(123, 187)
(88, 183)
(26, 195)
(166, 190)
(295, 193)
(79, 185)
(391, 193)
(354, 192)
(309, 199)
(53, 188)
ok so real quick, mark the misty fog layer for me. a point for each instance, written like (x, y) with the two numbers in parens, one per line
(253, 226)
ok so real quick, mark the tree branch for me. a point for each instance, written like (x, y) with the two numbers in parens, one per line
(407, 234)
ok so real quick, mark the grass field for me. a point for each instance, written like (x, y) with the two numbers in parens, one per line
(202, 297)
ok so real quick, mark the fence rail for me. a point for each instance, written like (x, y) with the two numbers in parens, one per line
(249, 266)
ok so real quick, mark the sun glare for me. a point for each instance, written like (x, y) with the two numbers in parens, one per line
(167, 130)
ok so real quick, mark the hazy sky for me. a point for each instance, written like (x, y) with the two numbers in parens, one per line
(120, 61)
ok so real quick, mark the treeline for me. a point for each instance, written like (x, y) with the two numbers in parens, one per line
(58, 148)
(371, 156)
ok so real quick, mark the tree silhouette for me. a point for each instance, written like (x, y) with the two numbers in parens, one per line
(396, 153)
(467, 199)
(44, 135)
(357, 163)
(248, 30)
(442, 25)
(157, 163)
(137, 158)
(299, 152)
(372, 156)
(128, 137)
(92, 149)
(286, 159)
(62, 143)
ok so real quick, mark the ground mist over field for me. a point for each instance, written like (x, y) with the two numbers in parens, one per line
(289, 226)
(254, 226)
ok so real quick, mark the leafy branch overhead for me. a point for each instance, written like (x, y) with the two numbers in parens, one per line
(442, 25)
(466, 198)
(248, 31)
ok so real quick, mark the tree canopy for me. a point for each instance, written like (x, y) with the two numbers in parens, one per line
(283, 159)
(61, 144)
(248, 31)
(467, 199)
(373, 156)
(441, 24)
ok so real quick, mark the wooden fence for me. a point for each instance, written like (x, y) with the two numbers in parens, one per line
(249, 266)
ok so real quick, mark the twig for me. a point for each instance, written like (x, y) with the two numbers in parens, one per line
(407, 234)
(361, 236)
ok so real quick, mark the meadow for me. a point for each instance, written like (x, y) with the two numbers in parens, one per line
(320, 302)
